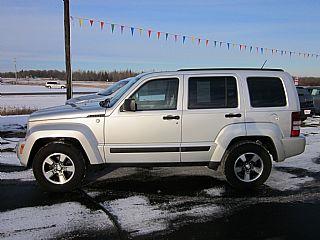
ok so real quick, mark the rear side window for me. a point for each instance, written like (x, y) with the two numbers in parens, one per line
(266, 92)
(212, 92)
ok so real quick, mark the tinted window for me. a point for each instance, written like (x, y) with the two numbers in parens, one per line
(212, 92)
(266, 92)
(159, 94)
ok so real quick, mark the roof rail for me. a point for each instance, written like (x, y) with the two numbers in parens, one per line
(251, 69)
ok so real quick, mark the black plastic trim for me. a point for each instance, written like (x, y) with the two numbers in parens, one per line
(160, 149)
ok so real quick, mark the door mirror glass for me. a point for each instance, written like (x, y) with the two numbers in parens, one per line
(129, 105)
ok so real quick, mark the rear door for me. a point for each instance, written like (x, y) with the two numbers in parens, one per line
(211, 102)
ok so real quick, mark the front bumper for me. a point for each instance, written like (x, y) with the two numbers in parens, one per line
(21, 152)
(293, 146)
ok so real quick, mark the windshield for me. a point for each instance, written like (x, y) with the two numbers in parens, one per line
(114, 87)
(123, 90)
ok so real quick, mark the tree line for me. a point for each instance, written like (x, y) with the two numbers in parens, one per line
(79, 75)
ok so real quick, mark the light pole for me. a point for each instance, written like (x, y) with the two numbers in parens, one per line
(15, 69)
(67, 48)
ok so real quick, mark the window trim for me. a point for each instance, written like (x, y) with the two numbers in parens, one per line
(284, 90)
(212, 76)
(155, 79)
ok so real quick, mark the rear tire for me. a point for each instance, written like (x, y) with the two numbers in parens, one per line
(59, 167)
(247, 165)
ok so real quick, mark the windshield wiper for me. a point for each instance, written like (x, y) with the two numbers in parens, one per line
(105, 103)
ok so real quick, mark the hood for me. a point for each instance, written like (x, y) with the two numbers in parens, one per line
(86, 98)
(68, 111)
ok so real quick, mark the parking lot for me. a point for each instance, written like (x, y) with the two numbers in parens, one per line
(162, 203)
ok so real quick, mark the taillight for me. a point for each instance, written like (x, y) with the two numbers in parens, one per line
(295, 125)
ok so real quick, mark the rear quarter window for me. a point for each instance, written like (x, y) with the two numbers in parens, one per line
(266, 92)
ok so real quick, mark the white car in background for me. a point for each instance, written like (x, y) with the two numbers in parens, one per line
(55, 84)
(101, 95)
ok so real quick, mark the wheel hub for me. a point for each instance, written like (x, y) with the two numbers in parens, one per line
(248, 167)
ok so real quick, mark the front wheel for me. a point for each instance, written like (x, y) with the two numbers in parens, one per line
(247, 165)
(59, 167)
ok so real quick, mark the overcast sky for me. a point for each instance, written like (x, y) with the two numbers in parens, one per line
(32, 32)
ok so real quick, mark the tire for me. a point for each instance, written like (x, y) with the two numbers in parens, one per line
(247, 165)
(62, 176)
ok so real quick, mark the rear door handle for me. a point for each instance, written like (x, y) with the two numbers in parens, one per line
(170, 117)
(233, 115)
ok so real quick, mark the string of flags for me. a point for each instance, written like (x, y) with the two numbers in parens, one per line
(105, 25)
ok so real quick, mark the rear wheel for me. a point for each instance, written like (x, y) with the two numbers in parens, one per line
(59, 167)
(247, 165)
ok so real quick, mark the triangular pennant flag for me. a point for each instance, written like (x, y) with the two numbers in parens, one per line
(220, 44)
(281, 52)
(234, 45)
(175, 38)
(207, 42)
(132, 30)
(245, 47)
(91, 22)
(149, 33)
(228, 45)
(140, 31)
(240, 47)
(290, 54)
(257, 48)
(261, 50)
(183, 39)
(199, 40)
(112, 27)
(192, 39)
(158, 34)
(167, 34)
(101, 24)
(215, 43)
(250, 48)
(80, 22)
(121, 28)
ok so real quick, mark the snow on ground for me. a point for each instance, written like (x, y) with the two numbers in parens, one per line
(13, 123)
(49, 222)
(138, 216)
(7, 88)
(36, 101)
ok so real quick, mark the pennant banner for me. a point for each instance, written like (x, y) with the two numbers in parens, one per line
(207, 42)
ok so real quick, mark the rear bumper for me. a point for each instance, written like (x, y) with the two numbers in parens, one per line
(293, 146)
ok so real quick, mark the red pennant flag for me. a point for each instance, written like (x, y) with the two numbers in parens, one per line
(101, 24)
(149, 33)
(207, 41)
(158, 34)
(240, 47)
(91, 22)
(122, 27)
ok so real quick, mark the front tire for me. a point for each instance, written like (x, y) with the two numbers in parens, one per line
(247, 165)
(59, 167)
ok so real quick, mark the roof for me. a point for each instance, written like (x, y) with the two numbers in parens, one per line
(228, 69)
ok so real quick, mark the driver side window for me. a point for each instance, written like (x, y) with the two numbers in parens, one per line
(160, 94)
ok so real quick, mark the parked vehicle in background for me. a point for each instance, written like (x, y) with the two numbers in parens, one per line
(315, 93)
(237, 120)
(306, 103)
(55, 84)
(101, 95)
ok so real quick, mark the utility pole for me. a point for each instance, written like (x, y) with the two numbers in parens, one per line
(67, 48)
(15, 69)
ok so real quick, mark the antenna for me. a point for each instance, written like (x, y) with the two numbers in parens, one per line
(264, 63)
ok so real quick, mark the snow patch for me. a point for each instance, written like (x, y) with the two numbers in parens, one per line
(49, 222)
(138, 216)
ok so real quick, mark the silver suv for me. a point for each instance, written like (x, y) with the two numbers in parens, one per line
(235, 120)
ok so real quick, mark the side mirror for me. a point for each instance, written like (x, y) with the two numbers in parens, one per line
(129, 105)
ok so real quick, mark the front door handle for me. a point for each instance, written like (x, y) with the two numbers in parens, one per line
(170, 117)
(233, 115)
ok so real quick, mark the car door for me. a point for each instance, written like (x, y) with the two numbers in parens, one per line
(152, 133)
(211, 103)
